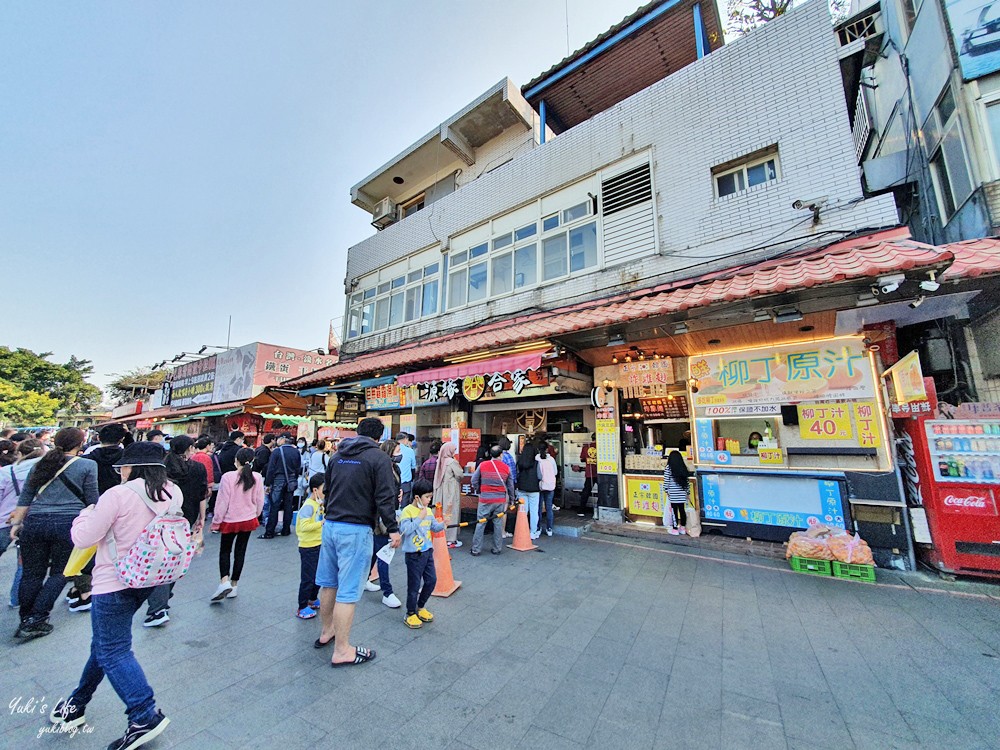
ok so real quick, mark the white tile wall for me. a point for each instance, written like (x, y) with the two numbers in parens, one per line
(779, 85)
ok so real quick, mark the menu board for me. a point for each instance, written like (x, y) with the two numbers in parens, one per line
(607, 441)
(665, 408)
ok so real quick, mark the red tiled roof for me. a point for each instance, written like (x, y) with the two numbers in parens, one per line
(858, 258)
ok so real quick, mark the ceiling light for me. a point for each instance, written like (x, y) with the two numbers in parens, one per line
(655, 355)
(786, 314)
(628, 357)
(680, 328)
(614, 360)
(642, 355)
(616, 339)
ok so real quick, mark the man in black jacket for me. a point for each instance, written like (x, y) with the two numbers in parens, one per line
(107, 456)
(262, 455)
(361, 488)
(282, 477)
(227, 453)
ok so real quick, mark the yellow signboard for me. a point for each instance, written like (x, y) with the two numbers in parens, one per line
(866, 419)
(771, 455)
(607, 446)
(644, 496)
(825, 421)
(908, 379)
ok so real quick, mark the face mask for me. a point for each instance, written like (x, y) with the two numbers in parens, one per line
(754, 443)
(301, 446)
(397, 459)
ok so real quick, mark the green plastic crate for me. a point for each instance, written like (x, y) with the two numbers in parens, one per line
(810, 566)
(854, 572)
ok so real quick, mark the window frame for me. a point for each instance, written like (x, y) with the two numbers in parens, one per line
(419, 201)
(936, 155)
(402, 285)
(742, 169)
(986, 101)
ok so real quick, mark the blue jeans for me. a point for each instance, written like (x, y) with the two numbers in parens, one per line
(545, 497)
(111, 655)
(45, 549)
(378, 542)
(419, 570)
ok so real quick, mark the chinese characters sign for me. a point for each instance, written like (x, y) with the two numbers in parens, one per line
(478, 387)
(192, 384)
(794, 502)
(643, 493)
(817, 371)
(771, 455)
(607, 441)
(646, 372)
(382, 397)
(866, 420)
(825, 422)
(666, 408)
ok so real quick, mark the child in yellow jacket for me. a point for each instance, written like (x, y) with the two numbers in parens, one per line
(416, 524)
(309, 530)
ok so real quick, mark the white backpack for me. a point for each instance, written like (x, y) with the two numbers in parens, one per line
(161, 553)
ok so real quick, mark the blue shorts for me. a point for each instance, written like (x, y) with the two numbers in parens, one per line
(345, 557)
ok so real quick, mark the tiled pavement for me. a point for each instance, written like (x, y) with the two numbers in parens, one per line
(597, 642)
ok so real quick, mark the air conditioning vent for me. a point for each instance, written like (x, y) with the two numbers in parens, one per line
(626, 190)
(384, 214)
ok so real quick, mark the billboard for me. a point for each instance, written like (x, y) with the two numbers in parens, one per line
(234, 374)
(192, 384)
(975, 27)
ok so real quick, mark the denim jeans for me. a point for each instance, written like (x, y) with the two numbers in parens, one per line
(419, 570)
(308, 562)
(111, 655)
(545, 499)
(45, 549)
(378, 542)
(530, 500)
(281, 499)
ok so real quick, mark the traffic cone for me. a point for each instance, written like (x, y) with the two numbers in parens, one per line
(522, 536)
(446, 583)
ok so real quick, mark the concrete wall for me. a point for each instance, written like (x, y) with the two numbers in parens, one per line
(780, 85)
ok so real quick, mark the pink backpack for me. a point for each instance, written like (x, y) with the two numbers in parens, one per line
(161, 553)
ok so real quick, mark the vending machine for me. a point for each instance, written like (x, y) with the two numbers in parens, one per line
(958, 463)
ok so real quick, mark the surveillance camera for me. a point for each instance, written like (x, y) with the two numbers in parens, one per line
(917, 302)
(930, 286)
(889, 288)
(810, 203)
(876, 289)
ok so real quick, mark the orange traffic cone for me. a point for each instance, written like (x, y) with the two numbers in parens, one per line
(522, 537)
(446, 583)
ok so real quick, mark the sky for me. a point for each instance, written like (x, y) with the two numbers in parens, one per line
(166, 165)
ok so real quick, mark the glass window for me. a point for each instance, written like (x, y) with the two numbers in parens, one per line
(458, 259)
(554, 257)
(526, 266)
(942, 184)
(383, 288)
(550, 222)
(366, 318)
(456, 289)
(430, 270)
(958, 170)
(583, 247)
(477, 283)
(369, 293)
(413, 276)
(354, 323)
(576, 212)
(381, 313)
(355, 299)
(503, 281)
(524, 232)
(478, 250)
(946, 107)
(505, 240)
(412, 311)
(993, 122)
(730, 183)
(760, 173)
(429, 299)
(396, 309)
(397, 283)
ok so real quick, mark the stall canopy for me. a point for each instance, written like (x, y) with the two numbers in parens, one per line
(358, 385)
(521, 362)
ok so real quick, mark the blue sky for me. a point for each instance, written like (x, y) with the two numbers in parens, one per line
(165, 165)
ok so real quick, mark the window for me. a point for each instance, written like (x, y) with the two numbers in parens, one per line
(382, 313)
(583, 247)
(949, 165)
(576, 212)
(477, 283)
(993, 125)
(908, 10)
(456, 289)
(554, 257)
(502, 273)
(758, 169)
(429, 303)
(412, 303)
(413, 205)
(550, 222)
(525, 232)
(526, 266)
(404, 299)
(504, 240)
(396, 309)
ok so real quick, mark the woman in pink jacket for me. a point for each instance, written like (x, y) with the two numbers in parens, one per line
(240, 502)
(120, 513)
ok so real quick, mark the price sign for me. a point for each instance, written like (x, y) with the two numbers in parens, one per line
(771, 455)
(825, 422)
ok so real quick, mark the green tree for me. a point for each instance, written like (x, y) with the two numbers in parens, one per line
(747, 15)
(135, 384)
(66, 383)
(25, 408)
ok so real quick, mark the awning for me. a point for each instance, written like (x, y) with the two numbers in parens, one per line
(345, 387)
(484, 367)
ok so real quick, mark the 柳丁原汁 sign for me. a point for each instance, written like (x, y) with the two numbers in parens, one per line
(825, 422)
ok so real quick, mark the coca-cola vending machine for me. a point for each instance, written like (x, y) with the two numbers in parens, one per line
(958, 461)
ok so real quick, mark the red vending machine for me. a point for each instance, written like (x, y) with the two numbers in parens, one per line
(958, 462)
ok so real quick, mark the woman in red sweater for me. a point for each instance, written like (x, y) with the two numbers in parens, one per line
(240, 501)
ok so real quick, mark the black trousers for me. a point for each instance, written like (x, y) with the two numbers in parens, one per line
(308, 561)
(419, 569)
(226, 548)
(281, 499)
(588, 486)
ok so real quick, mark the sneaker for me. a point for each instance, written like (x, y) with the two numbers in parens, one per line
(392, 601)
(306, 613)
(673, 532)
(454, 545)
(72, 595)
(372, 586)
(30, 630)
(424, 615)
(232, 594)
(507, 536)
(548, 532)
(555, 507)
(681, 530)
(412, 621)
(222, 592)
(67, 715)
(80, 605)
(140, 734)
(155, 619)
(315, 605)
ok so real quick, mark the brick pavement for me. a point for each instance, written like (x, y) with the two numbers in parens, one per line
(597, 642)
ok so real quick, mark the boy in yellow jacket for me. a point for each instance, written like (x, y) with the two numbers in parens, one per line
(309, 530)
(415, 526)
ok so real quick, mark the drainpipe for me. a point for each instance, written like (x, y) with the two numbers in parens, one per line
(699, 31)
(541, 122)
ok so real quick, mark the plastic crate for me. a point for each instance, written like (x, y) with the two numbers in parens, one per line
(810, 566)
(854, 572)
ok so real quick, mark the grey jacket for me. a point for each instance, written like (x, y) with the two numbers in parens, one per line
(61, 496)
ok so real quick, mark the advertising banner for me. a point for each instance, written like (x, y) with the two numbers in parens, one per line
(975, 26)
(646, 372)
(192, 384)
(825, 422)
(644, 496)
(607, 441)
(795, 502)
(234, 374)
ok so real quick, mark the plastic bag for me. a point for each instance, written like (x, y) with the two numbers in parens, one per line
(813, 543)
(78, 560)
(851, 549)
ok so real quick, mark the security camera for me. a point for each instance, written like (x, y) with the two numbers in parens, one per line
(812, 204)
(917, 302)
(890, 283)
(931, 285)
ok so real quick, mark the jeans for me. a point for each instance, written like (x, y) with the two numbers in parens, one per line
(281, 499)
(111, 654)
(345, 559)
(545, 498)
(419, 568)
(378, 542)
(266, 513)
(530, 500)
(45, 548)
(484, 513)
(308, 562)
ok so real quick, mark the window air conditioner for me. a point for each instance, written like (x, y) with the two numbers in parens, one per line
(384, 213)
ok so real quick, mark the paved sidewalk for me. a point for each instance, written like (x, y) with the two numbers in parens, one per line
(596, 642)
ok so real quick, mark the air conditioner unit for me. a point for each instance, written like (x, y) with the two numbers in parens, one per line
(384, 213)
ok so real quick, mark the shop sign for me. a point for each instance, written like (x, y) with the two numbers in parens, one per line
(743, 410)
(866, 419)
(796, 502)
(977, 502)
(386, 420)
(476, 387)
(383, 397)
(408, 423)
(704, 438)
(825, 422)
(144, 424)
(607, 442)
(646, 372)
(978, 410)
(644, 495)
(818, 371)
(905, 410)
(192, 384)
(907, 379)
(771, 455)
(666, 408)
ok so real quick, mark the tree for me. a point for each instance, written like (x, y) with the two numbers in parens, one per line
(747, 15)
(25, 408)
(65, 383)
(135, 384)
